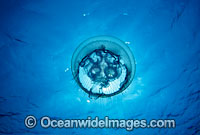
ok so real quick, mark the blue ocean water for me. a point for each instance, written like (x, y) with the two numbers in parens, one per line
(37, 41)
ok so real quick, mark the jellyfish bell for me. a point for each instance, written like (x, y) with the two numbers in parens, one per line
(103, 66)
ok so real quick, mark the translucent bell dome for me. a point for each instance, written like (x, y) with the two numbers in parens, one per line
(103, 66)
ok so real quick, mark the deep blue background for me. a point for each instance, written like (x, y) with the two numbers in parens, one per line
(38, 38)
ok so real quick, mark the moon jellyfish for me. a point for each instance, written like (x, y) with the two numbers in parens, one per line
(103, 66)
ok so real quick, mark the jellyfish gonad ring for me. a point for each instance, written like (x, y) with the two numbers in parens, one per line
(103, 66)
